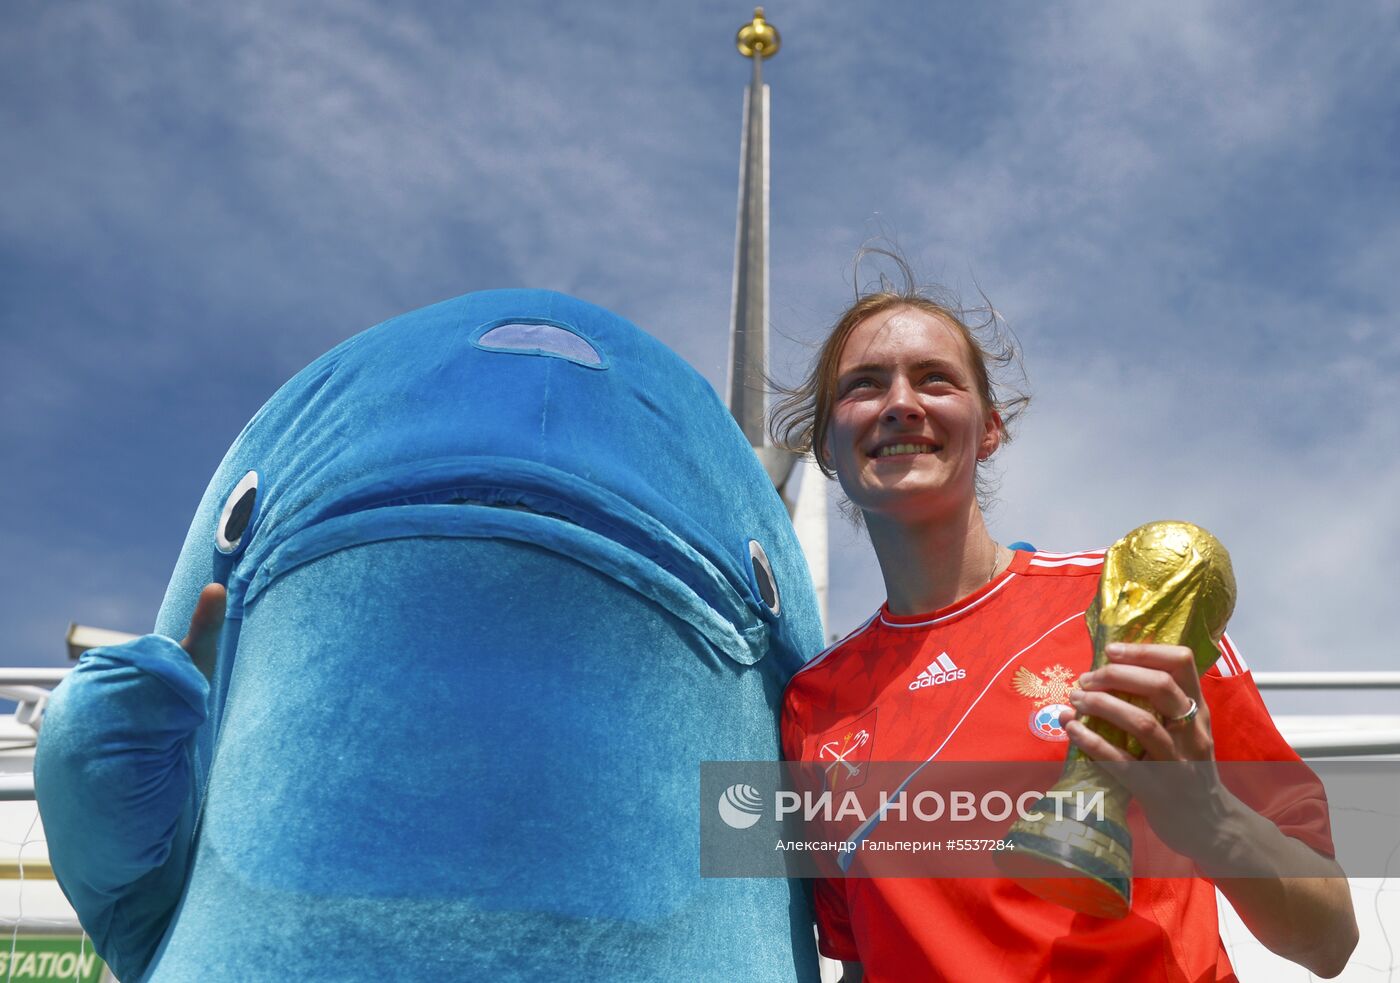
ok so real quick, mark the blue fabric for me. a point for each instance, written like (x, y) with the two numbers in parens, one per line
(492, 609)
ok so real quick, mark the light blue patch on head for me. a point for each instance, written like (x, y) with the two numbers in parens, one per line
(539, 337)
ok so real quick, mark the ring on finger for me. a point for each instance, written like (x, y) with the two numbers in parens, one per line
(1185, 718)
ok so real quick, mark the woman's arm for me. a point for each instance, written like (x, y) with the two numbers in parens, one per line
(1307, 919)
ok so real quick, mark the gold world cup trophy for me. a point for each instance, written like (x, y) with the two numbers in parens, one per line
(1165, 582)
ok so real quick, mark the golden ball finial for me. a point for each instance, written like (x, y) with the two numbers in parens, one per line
(758, 38)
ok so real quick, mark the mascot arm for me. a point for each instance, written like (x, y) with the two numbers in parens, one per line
(115, 778)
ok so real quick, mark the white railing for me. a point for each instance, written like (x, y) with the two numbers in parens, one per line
(47, 678)
(1327, 680)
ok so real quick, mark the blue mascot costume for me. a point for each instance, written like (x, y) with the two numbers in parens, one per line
(501, 572)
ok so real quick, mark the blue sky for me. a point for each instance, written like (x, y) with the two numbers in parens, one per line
(1187, 212)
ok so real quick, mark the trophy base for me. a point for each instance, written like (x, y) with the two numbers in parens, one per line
(1066, 875)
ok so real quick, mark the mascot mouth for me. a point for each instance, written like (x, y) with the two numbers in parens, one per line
(516, 507)
(521, 501)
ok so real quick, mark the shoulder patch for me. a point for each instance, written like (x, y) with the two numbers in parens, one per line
(843, 753)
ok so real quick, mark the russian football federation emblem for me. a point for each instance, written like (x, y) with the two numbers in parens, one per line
(1051, 697)
(843, 754)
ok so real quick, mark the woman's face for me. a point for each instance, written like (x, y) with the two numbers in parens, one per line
(907, 424)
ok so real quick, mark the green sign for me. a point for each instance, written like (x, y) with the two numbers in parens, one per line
(61, 958)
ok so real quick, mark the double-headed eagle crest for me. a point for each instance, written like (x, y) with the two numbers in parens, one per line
(1054, 688)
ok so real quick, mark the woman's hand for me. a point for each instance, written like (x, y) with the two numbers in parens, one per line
(202, 642)
(1188, 807)
(1307, 916)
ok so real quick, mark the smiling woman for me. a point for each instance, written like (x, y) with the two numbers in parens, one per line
(902, 408)
(909, 421)
(987, 360)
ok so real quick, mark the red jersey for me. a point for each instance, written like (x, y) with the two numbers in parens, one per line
(984, 680)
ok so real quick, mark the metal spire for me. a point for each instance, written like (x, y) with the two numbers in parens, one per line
(802, 487)
(748, 338)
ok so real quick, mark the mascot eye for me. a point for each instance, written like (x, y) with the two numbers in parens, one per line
(237, 514)
(763, 576)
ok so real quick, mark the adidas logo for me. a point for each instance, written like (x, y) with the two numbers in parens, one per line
(940, 670)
